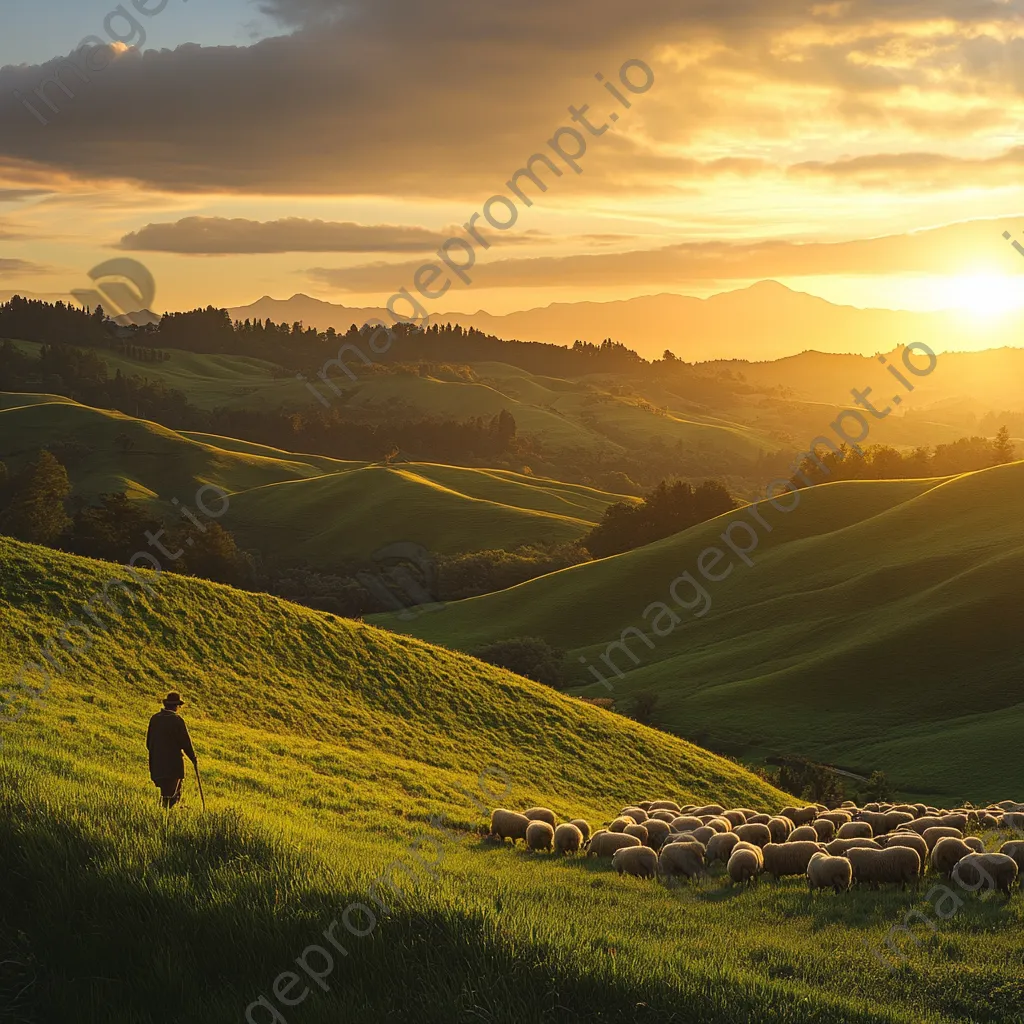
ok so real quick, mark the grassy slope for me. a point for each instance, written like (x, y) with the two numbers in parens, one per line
(296, 505)
(325, 746)
(876, 630)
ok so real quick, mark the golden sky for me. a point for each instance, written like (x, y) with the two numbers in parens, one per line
(867, 151)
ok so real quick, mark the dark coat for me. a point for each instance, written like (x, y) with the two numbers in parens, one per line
(166, 740)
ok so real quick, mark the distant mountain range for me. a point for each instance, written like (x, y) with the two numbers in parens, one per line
(765, 321)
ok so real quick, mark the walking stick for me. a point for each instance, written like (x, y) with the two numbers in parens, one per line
(195, 765)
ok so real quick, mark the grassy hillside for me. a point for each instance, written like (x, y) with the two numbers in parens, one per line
(299, 507)
(325, 746)
(875, 629)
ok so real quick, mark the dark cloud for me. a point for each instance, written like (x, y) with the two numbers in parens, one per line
(952, 249)
(21, 268)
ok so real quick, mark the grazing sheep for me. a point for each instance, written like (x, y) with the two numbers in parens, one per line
(604, 844)
(990, 820)
(734, 817)
(644, 805)
(754, 832)
(743, 867)
(657, 833)
(957, 820)
(681, 859)
(799, 815)
(884, 822)
(780, 828)
(932, 835)
(568, 839)
(582, 826)
(1010, 805)
(539, 836)
(638, 814)
(640, 831)
(824, 829)
(759, 853)
(709, 809)
(824, 871)
(991, 870)
(758, 819)
(720, 846)
(1014, 820)
(1015, 849)
(541, 814)
(802, 834)
(685, 822)
(638, 861)
(855, 830)
(896, 864)
(919, 824)
(664, 805)
(840, 847)
(666, 816)
(703, 834)
(619, 824)
(509, 824)
(836, 817)
(945, 854)
(976, 845)
(911, 839)
(781, 859)
(719, 824)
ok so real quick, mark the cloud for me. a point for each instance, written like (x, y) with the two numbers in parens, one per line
(950, 249)
(22, 268)
(220, 235)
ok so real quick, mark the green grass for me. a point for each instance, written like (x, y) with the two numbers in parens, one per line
(875, 630)
(326, 745)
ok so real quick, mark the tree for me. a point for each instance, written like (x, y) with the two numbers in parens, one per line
(214, 555)
(528, 656)
(35, 512)
(114, 530)
(1004, 450)
(644, 707)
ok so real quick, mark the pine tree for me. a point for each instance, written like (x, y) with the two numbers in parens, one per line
(36, 510)
(1003, 449)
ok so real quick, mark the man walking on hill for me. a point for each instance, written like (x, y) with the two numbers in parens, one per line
(166, 740)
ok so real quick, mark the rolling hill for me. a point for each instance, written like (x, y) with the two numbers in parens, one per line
(875, 630)
(337, 756)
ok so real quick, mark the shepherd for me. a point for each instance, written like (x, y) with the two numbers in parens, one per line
(166, 741)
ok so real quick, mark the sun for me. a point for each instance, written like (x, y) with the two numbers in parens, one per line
(985, 295)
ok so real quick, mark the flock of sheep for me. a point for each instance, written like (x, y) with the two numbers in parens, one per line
(875, 844)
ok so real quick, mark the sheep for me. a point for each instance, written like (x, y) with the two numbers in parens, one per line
(911, 839)
(824, 871)
(639, 861)
(541, 814)
(1010, 805)
(957, 820)
(604, 844)
(780, 828)
(976, 845)
(946, 853)
(993, 870)
(836, 817)
(709, 809)
(883, 822)
(539, 836)
(781, 859)
(582, 826)
(663, 805)
(666, 816)
(640, 831)
(685, 859)
(758, 852)
(855, 830)
(619, 824)
(644, 805)
(719, 824)
(754, 832)
(734, 817)
(509, 825)
(824, 829)
(799, 815)
(932, 835)
(657, 833)
(685, 822)
(638, 814)
(803, 834)
(919, 824)
(568, 839)
(895, 864)
(1015, 849)
(743, 867)
(1013, 820)
(758, 819)
(989, 820)
(720, 846)
(840, 847)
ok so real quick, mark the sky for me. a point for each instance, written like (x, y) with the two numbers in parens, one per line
(867, 151)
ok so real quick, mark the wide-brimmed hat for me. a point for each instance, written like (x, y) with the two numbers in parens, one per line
(173, 700)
